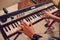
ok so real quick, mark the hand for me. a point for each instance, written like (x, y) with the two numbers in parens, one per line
(46, 14)
(27, 30)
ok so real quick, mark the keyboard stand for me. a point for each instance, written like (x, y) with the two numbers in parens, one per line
(17, 36)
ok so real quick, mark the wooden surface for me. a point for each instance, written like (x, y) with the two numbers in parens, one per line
(7, 3)
(24, 3)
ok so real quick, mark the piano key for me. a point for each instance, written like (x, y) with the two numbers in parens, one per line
(15, 25)
(47, 10)
(26, 19)
(30, 18)
(36, 19)
(5, 31)
(12, 26)
(26, 22)
(12, 29)
(54, 10)
(33, 17)
(9, 28)
(38, 14)
(53, 7)
(50, 9)
(18, 22)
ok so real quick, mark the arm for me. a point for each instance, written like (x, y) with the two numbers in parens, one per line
(50, 16)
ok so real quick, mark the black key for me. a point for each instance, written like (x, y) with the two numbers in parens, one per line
(9, 28)
(47, 10)
(6, 29)
(33, 16)
(50, 9)
(38, 14)
(53, 7)
(26, 19)
(12, 25)
(15, 24)
(20, 21)
(30, 18)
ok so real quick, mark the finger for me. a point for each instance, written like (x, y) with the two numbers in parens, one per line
(21, 26)
(19, 30)
(30, 23)
(43, 16)
(43, 12)
(24, 23)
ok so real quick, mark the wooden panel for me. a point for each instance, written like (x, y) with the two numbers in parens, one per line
(24, 3)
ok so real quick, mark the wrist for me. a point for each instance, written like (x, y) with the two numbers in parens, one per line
(36, 37)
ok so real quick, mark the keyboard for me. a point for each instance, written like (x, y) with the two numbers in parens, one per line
(32, 13)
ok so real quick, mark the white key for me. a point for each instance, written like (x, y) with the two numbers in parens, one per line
(31, 18)
(18, 27)
(37, 19)
(54, 10)
(18, 22)
(12, 29)
(26, 22)
(51, 10)
(7, 33)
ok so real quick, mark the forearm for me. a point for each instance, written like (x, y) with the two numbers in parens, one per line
(55, 18)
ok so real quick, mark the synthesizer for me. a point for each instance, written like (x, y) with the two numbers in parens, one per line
(32, 13)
